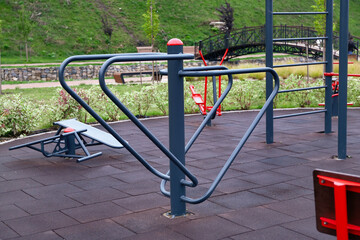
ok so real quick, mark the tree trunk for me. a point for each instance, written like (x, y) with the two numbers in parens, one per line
(26, 51)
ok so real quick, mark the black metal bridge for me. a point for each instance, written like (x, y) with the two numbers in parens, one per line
(250, 40)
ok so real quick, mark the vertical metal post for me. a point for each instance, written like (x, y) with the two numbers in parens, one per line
(341, 211)
(70, 141)
(269, 63)
(214, 89)
(176, 127)
(329, 64)
(343, 71)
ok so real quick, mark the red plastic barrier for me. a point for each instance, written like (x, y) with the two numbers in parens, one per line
(331, 74)
(348, 63)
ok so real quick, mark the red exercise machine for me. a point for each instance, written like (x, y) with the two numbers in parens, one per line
(199, 100)
(337, 198)
(335, 89)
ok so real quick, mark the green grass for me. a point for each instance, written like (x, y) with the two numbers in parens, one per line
(61, 30)
(43, 94)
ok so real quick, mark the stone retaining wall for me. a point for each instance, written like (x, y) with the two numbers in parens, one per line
(74, 72)
(92, 71)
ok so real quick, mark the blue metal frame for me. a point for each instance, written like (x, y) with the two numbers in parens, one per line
(343, 68)
(177, 151)
(343, 71)
(126, 58)
(328, 64)
(269, 24)
(62, 145)
(245, 137)
(178, 172)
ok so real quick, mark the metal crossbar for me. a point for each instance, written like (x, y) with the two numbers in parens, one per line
(298, 39)
(300, 114)
(301, 89)
(299, 13)
(299, 64)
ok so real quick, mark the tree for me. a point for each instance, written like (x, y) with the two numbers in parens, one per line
(226, 14)
(107, 28)
(25, 27)
(151, 25)
(319, 19)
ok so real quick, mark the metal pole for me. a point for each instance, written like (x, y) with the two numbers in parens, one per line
(214, 89)
(269, 63)
(176, 127)
(328, 65)
(307, 59)
(343, 69)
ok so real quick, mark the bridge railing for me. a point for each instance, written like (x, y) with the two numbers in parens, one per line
(249, 40)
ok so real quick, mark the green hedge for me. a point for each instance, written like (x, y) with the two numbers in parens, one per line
(22, 115)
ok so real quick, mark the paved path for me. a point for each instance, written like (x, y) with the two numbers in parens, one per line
(267, 193)
(75, 83)
(53, 84)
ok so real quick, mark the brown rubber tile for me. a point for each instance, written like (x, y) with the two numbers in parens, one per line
(266, 194)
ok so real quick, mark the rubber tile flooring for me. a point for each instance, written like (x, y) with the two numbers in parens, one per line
(266, 194)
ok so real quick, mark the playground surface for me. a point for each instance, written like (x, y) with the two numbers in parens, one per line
(266, 194)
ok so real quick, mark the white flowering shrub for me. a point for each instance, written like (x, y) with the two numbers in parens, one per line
(21, 115)
(18, 115)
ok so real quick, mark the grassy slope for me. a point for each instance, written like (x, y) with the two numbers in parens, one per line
(62, 29)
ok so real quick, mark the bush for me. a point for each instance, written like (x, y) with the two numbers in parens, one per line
(299, 98)
(18, 116)
(245, 92)
(69, 108)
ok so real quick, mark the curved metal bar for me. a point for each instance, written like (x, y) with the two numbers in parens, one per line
(131, 116)
(205, 68)
(201, 128)
(94, 114)
(162, 186)
(246, 135)
(209, 115)
(216, 105)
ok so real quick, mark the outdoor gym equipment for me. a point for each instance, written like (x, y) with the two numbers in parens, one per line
(343, 60)
(335, 97)
(177, 148)
(202, 102)
(71, 136)
(335, 87)
(337, 197)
